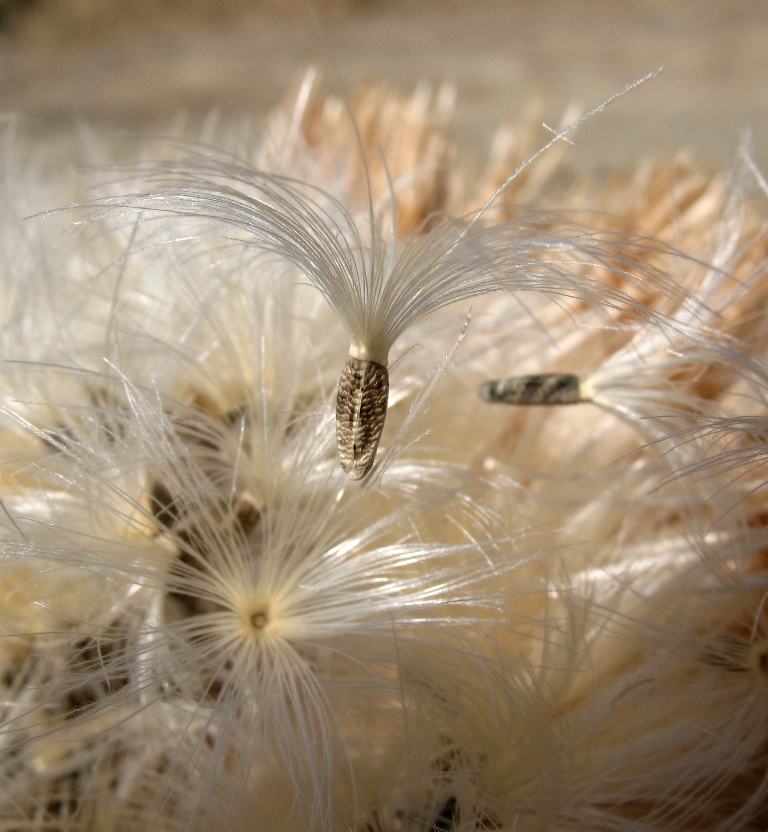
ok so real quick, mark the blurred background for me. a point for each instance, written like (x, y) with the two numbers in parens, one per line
(134, 64)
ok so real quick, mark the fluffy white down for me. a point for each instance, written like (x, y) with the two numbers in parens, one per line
(530, 619)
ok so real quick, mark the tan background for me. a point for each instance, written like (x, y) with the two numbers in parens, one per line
(123, 64)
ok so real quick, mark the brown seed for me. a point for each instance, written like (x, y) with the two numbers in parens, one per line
(548, 388)
(361, 407)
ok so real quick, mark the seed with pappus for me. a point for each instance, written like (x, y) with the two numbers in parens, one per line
(378, 285)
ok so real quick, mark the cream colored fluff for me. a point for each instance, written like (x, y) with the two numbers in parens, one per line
(523, 620)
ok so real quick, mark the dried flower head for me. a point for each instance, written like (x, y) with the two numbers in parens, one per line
(526, 618)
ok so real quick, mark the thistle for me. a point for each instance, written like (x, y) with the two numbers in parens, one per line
(546, 618)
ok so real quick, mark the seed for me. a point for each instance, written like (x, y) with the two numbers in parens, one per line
(548, 388)
(361, 407)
